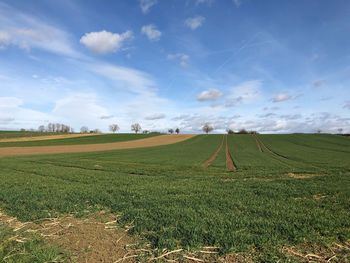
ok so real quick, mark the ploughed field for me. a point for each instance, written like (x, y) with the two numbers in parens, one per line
(259, 198)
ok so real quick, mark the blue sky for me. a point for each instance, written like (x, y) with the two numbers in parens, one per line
(271, 66)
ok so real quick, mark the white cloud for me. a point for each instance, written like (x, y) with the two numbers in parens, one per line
(212, 94)
(281, 97)
(156, 116)
(146, 5)
(151, 32)
(182, 58)
(194, 22)
(105, 42)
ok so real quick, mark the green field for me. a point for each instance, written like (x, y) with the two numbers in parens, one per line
(101, 138)
(295, 193)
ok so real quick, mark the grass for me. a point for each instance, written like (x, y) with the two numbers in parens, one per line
(35, 250)
(103, 138)
(174, 202)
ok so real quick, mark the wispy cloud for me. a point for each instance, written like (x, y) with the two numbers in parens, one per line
(151, 32)
(347, 105)
(245, 92)
(125, 78)
(281, 97)
(237, 3)
(194, 22)
(155, 116)
(209, 95)
(146, 5)
(27, 32)
(180, 57)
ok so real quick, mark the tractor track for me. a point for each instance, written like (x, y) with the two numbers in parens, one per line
(212, 158)
(278, 156)
(274, 155)
(230, 165)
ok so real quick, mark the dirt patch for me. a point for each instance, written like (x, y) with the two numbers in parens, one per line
(212, 158)
(93, 239)
(321, 254)
(230, 166)
(236, 258)
(47, 137)
(302, 175)
(147, 142)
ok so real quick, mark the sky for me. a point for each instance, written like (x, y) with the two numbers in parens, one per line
(270, 66)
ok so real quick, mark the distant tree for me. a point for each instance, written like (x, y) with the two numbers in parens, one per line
(50, 127)
(319, 131)
(146, 132)
(22, 130)
(113, 127)
(242, 131)
(171, 131)
(177, 130)
(229, 131)
(96, 131)
(136, 127)
(340, 130)
(41, 128)
(207, 127)
(84, 129)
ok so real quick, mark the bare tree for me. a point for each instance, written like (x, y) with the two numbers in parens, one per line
(340, 130)
(96, 131)
(113, 127)
(207, 128)
(41, 128)
(171, 131)
(84, 129)
(50, 127)
(136, 127)
(177, 130)
(230, 131)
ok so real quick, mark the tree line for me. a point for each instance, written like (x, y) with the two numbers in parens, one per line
(135, 127)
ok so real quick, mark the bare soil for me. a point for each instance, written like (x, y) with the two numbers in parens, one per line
(47, 137)
(147, 142)
(92, 239)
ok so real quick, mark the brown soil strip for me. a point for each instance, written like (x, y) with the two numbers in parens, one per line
(212, 158)
(230, 166)
(147, 142)
(48, 137)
